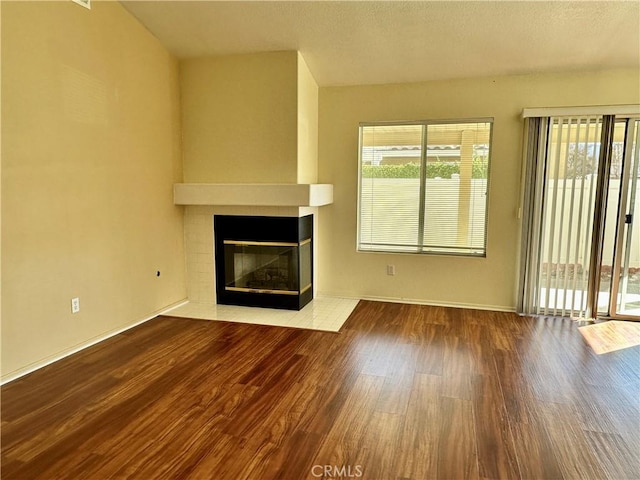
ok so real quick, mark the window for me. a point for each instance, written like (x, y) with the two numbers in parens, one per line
(423, 187)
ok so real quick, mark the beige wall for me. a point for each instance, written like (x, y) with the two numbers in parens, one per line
(487, 282)
(307, 124)
(239, 117)
(91, 147)
(90, 151)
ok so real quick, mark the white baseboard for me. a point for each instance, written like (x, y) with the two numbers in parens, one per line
(413, 301)
(59, 356)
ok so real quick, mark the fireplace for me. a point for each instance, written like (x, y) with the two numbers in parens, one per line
(264, 261)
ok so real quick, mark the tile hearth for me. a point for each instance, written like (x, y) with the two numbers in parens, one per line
(323, 313)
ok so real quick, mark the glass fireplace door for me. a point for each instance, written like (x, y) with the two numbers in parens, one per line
(266, 267)
(264, 261)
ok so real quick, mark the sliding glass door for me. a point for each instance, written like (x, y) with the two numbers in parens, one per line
(580, 249)
(624, 298)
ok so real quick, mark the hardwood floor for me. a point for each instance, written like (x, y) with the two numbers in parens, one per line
(402, 392)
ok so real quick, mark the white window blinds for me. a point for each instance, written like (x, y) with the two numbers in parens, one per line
(423, 187)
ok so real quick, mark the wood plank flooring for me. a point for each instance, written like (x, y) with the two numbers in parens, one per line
(402, 392)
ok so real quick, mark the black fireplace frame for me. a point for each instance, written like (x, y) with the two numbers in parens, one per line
(260, 229)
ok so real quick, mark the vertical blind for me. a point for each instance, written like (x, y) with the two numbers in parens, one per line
(423, 187)
(562, 171)
(568, 213)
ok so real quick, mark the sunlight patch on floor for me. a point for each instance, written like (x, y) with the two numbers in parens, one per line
(611, 336)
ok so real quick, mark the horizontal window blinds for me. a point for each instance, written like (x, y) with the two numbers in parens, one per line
(423, 187)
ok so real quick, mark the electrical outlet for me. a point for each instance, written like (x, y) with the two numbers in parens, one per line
(391, 269)
(75, 305)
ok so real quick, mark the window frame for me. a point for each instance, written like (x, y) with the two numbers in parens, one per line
(423, 176)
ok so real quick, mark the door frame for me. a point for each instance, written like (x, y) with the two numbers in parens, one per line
(623, 236)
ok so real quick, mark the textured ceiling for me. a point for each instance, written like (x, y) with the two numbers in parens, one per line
(370, 42)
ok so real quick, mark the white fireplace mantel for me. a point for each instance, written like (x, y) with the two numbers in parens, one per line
(253, 194)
